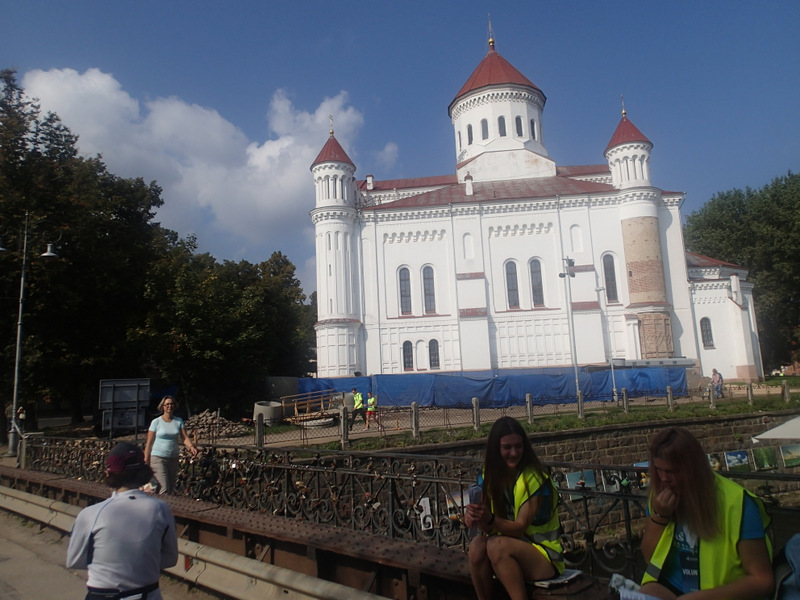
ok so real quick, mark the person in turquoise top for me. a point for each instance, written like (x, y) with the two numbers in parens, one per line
(705, 537)
(162, 449)
(517, 516)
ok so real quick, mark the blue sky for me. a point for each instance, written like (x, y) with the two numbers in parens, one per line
(226, 104)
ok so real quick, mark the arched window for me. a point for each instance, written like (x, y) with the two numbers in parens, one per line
(501, 126)
(537, 290)
(433, 354)
(533, 129)
(484, 129)
(459, 140)
(511, 285)
(405, 292)
(408, 357)
(518, 122)
(469, 135)
(610, 275)
(429, 290)
(705, 332)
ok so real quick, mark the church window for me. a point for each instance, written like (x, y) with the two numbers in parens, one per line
(405, 292)
(511, 285)
(533, 129)
(408, 357)
(501, 126)
(433, 354)
(537, 289)
(469, 246)
(518, 122)
(459, 140)
(484, 129)
(610, 276)
(429, 290)
(469, 135)
(705, 332)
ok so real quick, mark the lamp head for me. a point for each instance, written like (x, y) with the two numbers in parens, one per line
(50, 253)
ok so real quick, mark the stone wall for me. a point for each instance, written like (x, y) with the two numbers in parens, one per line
(627, 443)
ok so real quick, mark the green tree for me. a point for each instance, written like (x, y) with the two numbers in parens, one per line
(760, 230)
(128, 298)
(220, 329)
(79, 308)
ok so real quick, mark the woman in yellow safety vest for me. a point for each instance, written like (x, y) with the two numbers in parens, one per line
(705, 537)
(517, 516)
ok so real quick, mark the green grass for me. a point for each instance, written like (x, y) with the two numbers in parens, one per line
(791, 380)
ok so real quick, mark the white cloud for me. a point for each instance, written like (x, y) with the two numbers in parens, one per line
(387, 157)
(243, 199)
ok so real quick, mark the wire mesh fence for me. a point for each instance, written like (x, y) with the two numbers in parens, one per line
(339, 426)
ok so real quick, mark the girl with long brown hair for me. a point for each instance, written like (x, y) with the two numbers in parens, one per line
(517, 516)
(705, 536)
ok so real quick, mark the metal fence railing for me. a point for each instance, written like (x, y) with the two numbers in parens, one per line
(411, 420)
(415, 497)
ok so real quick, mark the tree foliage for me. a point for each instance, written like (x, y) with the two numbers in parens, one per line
(760, 230)
(127, 298)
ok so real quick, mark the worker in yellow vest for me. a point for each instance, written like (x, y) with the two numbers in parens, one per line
(358, 409)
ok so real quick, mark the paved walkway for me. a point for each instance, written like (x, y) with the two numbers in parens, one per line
(32, 562)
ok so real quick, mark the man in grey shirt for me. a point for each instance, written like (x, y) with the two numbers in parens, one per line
(125, 541)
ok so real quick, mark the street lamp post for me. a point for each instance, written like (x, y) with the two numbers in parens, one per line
(13, 436)
(568, 274)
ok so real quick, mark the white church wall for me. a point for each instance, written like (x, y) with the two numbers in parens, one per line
(677, 281)
(589, 339)
(475, 344)
(531, 340)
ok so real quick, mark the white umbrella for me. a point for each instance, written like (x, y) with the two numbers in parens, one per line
(787, 431)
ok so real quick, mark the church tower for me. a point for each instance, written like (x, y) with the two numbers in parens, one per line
(628, 155)
(335, 218)
(497, 121)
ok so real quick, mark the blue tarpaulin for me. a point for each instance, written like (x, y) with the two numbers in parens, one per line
(505, 388)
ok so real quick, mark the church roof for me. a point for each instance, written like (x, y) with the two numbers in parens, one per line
(332, 151)
(493, 70)
(626, 132)
(700, 261)
(405, 184)
(488, 191)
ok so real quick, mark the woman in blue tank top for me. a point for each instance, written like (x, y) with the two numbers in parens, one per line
(162, 449)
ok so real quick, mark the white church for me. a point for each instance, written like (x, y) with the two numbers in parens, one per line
(513, 261)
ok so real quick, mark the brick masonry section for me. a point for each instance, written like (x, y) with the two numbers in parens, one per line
(619, 445)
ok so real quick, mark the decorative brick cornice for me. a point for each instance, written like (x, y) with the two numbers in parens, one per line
(493, 96)
(339, 213)
(472, 313)
(520, 229)
(329, 323)
(590, 305)
(413, 237)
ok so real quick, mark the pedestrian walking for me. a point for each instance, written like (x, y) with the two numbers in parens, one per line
(372, 411)
(126, 541)
(358, 409)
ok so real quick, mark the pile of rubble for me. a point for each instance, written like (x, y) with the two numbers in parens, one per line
(207, 425)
